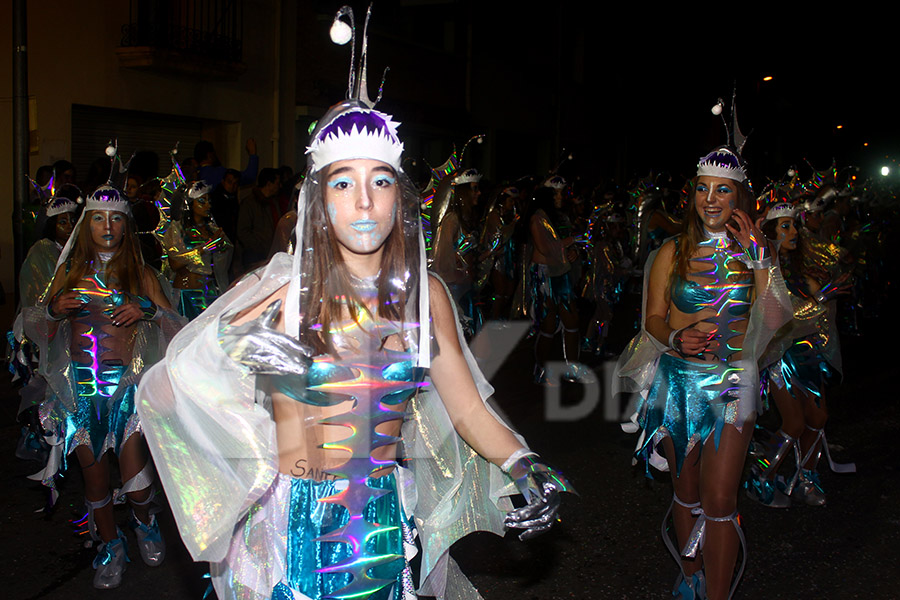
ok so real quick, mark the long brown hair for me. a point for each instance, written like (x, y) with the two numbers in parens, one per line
(692, 232)
(331, 288)
(125, 267)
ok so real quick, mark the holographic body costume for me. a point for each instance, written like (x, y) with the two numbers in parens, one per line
(452, 246)
(92, 369)
(549, 282)
(687, 400)
(498, 243)
(809, 346)
(206, 259)
(267, 533)
(340, 528)
(104, 416)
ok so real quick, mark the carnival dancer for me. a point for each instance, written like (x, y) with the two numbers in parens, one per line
(198, 252)
(806, 354)
(105, 319)
(62, 211)
(456, 242)
(497, 261)
(277, 415)
(655, 224)
(712, 301)
(549, 289)
(605, 276)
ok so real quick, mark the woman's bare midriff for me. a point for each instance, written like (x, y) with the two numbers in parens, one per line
(298, 428)
(115, 345)
(300, 435)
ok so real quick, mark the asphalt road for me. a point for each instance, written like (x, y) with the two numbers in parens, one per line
(608, 543)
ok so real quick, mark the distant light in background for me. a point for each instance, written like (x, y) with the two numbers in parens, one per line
(885, 171)
(768, 78)
(840, 126)
(865, 144)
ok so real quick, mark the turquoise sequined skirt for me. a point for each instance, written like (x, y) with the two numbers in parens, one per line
(308, 519)
(193, 302)
(688, 401)
(276, 549)
(99, 422)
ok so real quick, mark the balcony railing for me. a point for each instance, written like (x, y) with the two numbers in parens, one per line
(158, 31)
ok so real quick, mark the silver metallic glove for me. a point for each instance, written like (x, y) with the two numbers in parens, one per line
(540, 485)
(259, 347)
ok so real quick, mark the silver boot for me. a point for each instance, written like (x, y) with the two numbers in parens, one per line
(111, 561)
(150, 541)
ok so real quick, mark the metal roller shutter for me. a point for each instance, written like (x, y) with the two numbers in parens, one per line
(94, 126)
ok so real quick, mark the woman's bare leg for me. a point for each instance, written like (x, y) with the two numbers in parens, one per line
(687, 489)
(720, 477)
(96, 489)
(132, 457)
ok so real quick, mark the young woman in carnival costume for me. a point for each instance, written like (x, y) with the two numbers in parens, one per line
(62, 211)
(712, 300)
(605, 274)
(104, 320)
(549, 288)
(455, 256)
(198, 252)
(497, 260)
(804, 354)
(280, 459)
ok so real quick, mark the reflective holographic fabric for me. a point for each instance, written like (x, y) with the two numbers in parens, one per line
(805, 367)
(547, 289)
(688, 401)
(727, 390)
(295, 506)
(193, 302)
(690, 297)
(103, 419)
(213, 440)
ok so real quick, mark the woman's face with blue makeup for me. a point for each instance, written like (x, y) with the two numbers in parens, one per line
(361, 197)
(786, 233)
(715, 199)
(107, 229)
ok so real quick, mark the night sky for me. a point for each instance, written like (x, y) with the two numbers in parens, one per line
(646, 81)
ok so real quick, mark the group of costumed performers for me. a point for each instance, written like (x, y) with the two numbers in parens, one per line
(713, 298)
(198, 252)
(803, 357)
(103, 321)
(277, 418)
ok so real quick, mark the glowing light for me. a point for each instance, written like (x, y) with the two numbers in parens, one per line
(768, 78)
(885, 171)
(840, 127)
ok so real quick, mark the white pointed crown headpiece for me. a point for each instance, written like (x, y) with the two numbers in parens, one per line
(468, 176)
(59, 205)
(722, 162)
(782, 209)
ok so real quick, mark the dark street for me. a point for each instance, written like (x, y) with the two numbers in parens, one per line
(608, 543)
